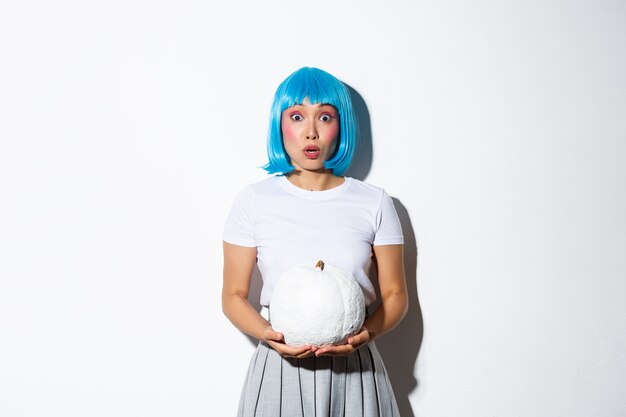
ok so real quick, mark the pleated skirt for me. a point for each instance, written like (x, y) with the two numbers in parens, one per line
(341, 386)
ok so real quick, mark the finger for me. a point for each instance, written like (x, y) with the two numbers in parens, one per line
(305, 354)
(298, 351)
(310, 352)
(288, 351)
(359, 338)
(354, 340)
(335, 350)
(272, 335)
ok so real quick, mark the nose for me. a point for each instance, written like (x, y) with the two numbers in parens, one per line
(312, 132)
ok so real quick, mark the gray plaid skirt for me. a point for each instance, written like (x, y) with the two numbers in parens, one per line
(348, 386)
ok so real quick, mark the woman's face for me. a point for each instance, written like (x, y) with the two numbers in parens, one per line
(310, 134)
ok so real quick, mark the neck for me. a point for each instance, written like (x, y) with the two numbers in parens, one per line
(314, 181)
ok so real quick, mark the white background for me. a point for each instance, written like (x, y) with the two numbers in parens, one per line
(127, 127)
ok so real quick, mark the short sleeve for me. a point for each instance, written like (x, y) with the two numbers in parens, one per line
(239, 227)
(389, 229)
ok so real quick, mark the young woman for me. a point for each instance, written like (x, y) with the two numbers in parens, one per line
(309, 211)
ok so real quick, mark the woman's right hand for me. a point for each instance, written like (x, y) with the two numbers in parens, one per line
(277, 341)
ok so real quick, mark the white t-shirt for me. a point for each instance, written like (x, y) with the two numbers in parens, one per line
(291, 226)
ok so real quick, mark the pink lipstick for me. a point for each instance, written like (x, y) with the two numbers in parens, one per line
(312, 152)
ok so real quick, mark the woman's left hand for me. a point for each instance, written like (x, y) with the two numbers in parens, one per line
(354, 342)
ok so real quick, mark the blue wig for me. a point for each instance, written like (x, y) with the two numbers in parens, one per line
(319, 87)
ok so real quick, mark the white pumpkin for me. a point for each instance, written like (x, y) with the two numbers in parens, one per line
(317, 306)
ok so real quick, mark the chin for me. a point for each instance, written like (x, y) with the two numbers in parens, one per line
(316, 166)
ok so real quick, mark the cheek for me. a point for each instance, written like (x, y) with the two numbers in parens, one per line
(287, 131)
(331, 135)
(333, 132)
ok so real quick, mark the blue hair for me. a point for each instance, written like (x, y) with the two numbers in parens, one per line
(319, 87)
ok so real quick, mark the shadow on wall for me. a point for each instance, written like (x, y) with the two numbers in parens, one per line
(398, 348)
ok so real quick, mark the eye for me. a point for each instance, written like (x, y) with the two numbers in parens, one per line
(297, 117)
(326, 117)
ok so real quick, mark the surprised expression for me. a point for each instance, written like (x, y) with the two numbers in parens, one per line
(310, 134)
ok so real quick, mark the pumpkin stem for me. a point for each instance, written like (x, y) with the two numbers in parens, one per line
(320, 264)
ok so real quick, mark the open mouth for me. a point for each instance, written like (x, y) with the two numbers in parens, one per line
(312, 152)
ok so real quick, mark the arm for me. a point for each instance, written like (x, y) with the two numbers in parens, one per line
(393, 305)
(239, 262)
(394, 295)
